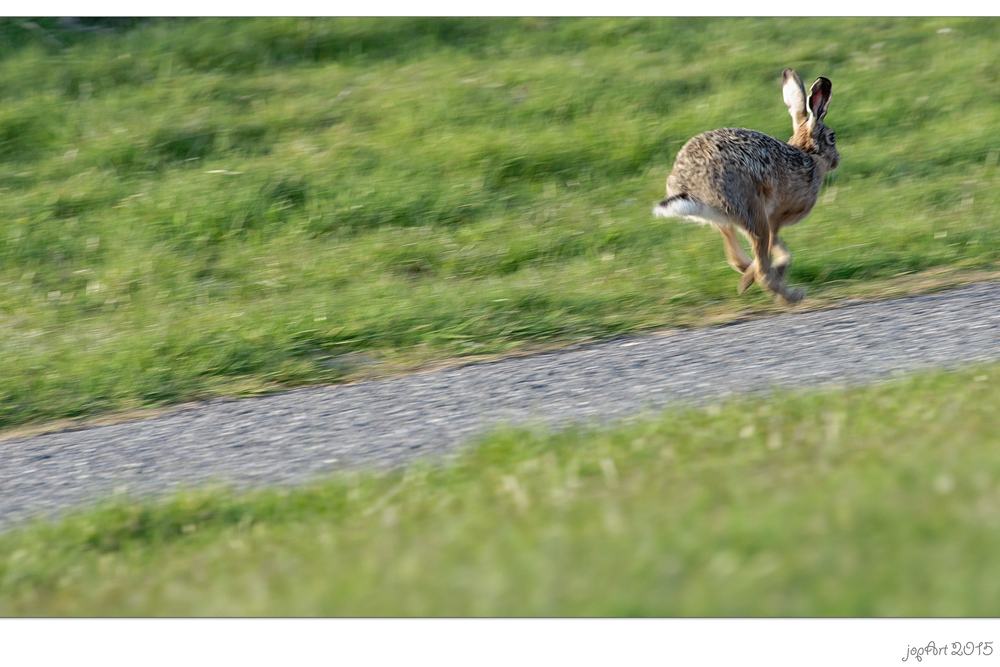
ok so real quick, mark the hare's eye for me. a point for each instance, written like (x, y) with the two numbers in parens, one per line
(830, 137)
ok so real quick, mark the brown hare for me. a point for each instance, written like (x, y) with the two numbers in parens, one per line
(737, 179)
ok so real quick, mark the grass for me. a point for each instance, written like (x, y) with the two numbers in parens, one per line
(874, 501)
(299, 201)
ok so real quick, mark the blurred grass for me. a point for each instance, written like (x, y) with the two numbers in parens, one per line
(203, 206)
(875, 501)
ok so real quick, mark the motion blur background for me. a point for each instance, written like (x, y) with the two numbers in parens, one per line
(195, 206)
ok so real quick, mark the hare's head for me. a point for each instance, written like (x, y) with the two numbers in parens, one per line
(811, 133)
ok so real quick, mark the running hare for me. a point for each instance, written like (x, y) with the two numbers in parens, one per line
(736, 179)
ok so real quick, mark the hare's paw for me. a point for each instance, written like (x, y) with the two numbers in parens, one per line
(792, 295)
(747, 280)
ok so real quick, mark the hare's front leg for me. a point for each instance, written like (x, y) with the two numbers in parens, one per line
(782, 262)
(782, 256)
(766, 273)
(755, 226)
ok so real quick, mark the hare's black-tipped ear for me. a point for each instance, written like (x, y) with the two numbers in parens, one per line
(819, 97)
(795, 96)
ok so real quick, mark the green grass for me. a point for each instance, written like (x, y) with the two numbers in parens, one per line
(876, 501)
(204, 207)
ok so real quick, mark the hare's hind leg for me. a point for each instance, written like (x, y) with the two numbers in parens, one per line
(735, 254)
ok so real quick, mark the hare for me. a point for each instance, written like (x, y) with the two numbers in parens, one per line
(737, 179)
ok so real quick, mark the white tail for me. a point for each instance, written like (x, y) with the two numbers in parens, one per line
(690, 209)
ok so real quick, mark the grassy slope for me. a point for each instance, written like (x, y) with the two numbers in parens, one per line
(881, 501)
(396, 191)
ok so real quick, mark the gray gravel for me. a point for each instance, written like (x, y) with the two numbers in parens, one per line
(291, 437)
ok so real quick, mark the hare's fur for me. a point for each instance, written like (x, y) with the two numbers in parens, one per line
(743, 180)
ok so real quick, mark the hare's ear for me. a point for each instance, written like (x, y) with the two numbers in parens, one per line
(819, 97)
(795, 96)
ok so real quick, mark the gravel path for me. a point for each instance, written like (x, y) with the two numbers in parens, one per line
(288, 438)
